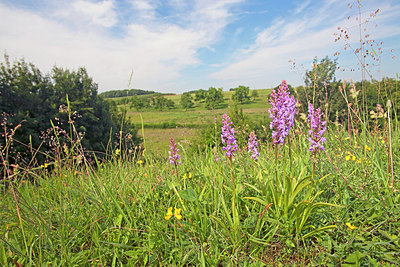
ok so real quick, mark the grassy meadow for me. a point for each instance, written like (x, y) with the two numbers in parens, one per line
(341, 208)
(186, 124)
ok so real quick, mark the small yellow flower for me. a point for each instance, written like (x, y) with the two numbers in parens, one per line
(347, 138)
(44, 166)
(184, 176)
(353, 158)
(140, 162)
(348, 157)
(169, 214)
(190, 175)
(350, 226)
(359, 161)
(367, 148)
(177, 214)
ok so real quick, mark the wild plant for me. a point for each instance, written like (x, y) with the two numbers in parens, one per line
(290, 201)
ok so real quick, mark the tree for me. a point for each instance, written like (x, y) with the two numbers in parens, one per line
(323, 72)
(254, 94)
(186, 101)
(32, 98)
(214, 97)
(139, 103)
(241, 94)
(161, 103)
(200, 95)
(321, 87)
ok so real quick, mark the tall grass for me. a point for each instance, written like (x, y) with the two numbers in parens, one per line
(114, 213)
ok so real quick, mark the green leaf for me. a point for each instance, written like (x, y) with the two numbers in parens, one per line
(118, 220)
(189, 195)
(319, 230)
(259, 200)
(3, 258)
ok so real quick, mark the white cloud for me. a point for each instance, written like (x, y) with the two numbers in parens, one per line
(146, 8)
(159, 48)
(265, 62)
(156, 52)
(88, 12)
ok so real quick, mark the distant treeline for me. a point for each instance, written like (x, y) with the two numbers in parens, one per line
(125, 92)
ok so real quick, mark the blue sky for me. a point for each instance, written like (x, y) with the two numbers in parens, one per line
(177, 45)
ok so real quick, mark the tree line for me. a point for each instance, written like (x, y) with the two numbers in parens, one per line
(125, 92)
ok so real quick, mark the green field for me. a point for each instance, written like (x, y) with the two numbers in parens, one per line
(186, 125)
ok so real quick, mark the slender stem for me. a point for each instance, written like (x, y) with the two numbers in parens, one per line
(233, 181)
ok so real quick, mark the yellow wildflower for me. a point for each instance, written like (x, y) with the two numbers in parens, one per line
(177, 214)
(367, 148)
(353, 158)
(190, 175)
(44, 166)
(350, 226)
(347, 138)
(169, 214)
(348, 157)
(140, 162)
(359, 161)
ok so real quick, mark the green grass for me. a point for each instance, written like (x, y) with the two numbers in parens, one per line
(248, 213)
(190, 120)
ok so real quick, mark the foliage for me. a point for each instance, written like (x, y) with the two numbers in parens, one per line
(139, 103)
(200, 95)
(241, 94)
(143, 211)
(34, 100)
(161, 103)
(186, 101)
(125, 92)
(214, 98)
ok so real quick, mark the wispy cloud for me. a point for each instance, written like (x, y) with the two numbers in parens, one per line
(305, 36)
(86, 12)
(145, 9)
(156, 52)
(161, 41)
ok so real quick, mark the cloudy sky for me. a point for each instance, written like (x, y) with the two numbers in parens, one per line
(181, 45)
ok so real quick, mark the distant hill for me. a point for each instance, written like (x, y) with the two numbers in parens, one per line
(125, 92)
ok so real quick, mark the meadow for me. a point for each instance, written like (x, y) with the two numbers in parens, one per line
(185, 125)
(337, 207)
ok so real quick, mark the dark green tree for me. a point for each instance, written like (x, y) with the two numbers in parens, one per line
(186, 101)
(200, 95)
(33, 99)
(161, 103)
(214, 98)
(241, 94)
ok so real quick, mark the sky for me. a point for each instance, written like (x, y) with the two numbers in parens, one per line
(174, 46)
